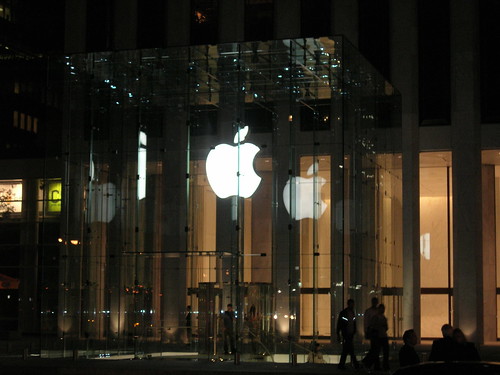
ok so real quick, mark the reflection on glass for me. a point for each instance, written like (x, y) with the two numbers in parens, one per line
(140, 264)
(425, 245)
(307, 192)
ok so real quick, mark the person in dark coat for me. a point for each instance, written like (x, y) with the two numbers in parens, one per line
(443, 349)
(346, 329)
(228, 326)
(407, 354)
(463, 350)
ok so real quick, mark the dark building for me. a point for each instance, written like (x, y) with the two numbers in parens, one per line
(375, 131)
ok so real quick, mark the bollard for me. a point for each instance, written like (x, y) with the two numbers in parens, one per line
(75, 354)
(237, 358)
(294, 359)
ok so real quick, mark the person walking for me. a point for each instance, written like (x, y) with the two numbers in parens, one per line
(380, 327)
(378, 333)
(228, 327)
(346, 329)
(368, 315)
(189, 332)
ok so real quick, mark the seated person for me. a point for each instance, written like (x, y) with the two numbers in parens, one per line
(442, 349)
(407, 354)
(464, 351)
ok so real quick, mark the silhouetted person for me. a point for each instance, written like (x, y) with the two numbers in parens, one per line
(189, 331)
(407, 354)
(253, 327)
(228, 327)
(463, 350)
(346, 329)
(442, 349)
(378, 334)
(368, 315)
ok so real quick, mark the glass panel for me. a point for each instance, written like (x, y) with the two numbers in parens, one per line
(299, 132)
(11, 198)
(435, 311)
(435, 215)
(491, 238)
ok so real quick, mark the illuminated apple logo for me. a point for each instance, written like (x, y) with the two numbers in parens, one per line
(305, 199)
(230, 168)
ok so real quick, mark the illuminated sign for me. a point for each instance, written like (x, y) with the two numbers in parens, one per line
(307, 193)
(141, 165)
(54, 196)
(230, 169)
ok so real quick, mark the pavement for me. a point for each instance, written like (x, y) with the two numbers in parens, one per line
(41, 366)
(165, 365)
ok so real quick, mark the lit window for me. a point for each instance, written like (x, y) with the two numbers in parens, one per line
(28, 123)
(21, 120)
(15, 119)
(11, 195)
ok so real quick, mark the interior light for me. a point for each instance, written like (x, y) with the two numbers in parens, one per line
(74, 242)
(141, 165)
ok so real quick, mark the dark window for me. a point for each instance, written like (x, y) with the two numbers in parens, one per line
(260, 117)
(489, 30)
(259, 16)
(374, 34)
(204, 21)
(99, 25)
(315, 116)
(39, 26)
(150, 23)
(203, 120)
(434, 61)
(315, 18)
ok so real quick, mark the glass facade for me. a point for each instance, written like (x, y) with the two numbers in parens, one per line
(266, 175)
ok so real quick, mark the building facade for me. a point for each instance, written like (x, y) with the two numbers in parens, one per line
(403, 183)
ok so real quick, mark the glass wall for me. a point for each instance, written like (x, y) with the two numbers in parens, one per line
(491, 241)
(265, 175)
(436, 247)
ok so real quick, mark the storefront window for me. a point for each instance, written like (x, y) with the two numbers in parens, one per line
(262, 175)
(436, 249)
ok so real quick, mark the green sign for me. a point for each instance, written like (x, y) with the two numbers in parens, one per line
(54, 196)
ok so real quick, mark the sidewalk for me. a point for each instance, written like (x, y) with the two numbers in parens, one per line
(37, 366)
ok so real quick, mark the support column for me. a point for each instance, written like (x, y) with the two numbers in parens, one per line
(125, 25)
(345, 19)
(178, 23)
(489, 254)
(286, 19)
(231, 21)
(404, 64)
(466, 164)
(75, 26)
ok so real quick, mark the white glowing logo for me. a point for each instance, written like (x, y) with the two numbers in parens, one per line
(141, 165)
(425, 245)
(307, 198)
(230, 168)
